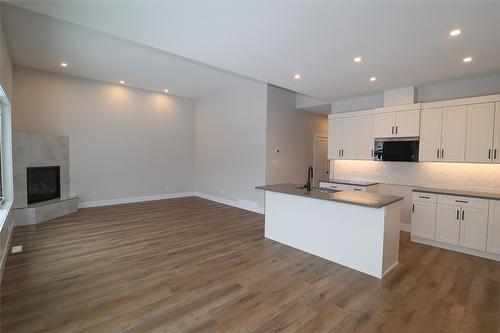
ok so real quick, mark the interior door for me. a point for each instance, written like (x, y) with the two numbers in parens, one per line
(430, 135)
(494, 227)
(407, 123)
(473, 228)
(480, 121)
(321, 163)
(496, 135)
(448, 224)
(350, 138)
(383, 125)
(365, 138)
(454, 129)
(423, 219)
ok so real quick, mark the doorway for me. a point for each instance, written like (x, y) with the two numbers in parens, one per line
(321, 164)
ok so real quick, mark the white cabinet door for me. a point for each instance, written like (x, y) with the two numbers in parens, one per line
(430, 135)
(423, 219)
(454, 129)
(493, 243)
(496, 135)
(480, 120)
(334, 138)
(448, 224)
(473, 228)
(365, 138)
(349, 138)
(384, 125)
(407, 123)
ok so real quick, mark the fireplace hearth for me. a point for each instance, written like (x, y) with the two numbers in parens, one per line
(44, 183)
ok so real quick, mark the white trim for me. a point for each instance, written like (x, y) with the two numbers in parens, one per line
(456, 248)
(405, 227)
(110, 202)
(390, 269)
(242, 204)
(396, 108)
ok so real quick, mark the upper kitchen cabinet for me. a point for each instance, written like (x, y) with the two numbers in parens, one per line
(397, 123)
(496, 135)
(342, 138)
(442, 134)
(480, 127)
(365, 137)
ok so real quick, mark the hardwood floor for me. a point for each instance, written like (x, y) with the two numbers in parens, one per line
(191, 265)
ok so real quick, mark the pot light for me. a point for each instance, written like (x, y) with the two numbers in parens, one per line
(467, 59)
(297, 76)
(455, 32)
(373, 79)
(165, 90)
(357, 59)
(64, 64)
(122, 82)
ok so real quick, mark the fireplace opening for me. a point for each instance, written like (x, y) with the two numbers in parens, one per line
(44, 183)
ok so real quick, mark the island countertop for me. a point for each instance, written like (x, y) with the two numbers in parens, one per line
(373, 200)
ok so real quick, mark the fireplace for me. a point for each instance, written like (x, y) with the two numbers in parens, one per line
(44, 183)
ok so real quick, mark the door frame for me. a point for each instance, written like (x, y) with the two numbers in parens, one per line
(316, 138)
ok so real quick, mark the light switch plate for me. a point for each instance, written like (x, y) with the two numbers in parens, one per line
(17, 249)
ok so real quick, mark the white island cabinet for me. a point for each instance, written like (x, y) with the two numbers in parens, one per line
(355, 229)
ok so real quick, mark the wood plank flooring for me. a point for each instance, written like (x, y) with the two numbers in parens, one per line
(191, 265)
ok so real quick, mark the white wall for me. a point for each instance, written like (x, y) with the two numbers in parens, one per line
(231, 145)
(124, 143)
(292, 132)
(5, 63)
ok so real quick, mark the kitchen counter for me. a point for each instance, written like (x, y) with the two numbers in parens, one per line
(355, 229)
(349, 182)
(372, 200)
(461, 193)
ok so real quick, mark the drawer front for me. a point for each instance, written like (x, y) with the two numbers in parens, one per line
(462, 201)
(358, 188)
(425, 197)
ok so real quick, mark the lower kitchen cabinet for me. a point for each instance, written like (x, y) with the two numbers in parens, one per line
(473, 228)
(493, 243)
(423, 220)
(448, 224)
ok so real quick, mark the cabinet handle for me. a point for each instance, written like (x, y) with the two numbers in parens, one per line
(413, 208)
(392, 132)
(437, 154)
(396, 130)
(495, 154)
(442, 153)
(423, 197)
(339, 152)
(461, 201)
(463, 214)
(372, 152)
(458, 214)
(489, 154)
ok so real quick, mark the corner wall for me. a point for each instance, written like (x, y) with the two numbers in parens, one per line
(291, 131)
(231, 145)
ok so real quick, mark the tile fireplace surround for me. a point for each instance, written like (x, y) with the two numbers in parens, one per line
(38, 150)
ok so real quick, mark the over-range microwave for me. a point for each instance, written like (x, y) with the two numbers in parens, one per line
(396, 149)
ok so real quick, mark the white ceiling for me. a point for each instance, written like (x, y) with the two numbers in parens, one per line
(402, 43)
(42, 42)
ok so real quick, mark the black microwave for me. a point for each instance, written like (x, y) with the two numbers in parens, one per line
(397, 150)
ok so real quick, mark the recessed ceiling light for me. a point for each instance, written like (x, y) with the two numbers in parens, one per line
(373, 78)
(455, 32)
(467, 59)
(357, 59)
(297, 76)
(122, 82)
(63, 64)
(165, 90)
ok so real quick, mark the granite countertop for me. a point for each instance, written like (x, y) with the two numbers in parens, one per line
(349, 182)
(462, 193)
(373, 200)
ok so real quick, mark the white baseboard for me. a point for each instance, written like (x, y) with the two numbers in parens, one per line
(405, 227)
(109, 202)
(242, 204)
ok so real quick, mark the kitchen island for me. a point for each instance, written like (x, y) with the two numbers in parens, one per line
(355, 229)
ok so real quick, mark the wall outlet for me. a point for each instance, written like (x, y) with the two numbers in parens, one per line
(17, 249)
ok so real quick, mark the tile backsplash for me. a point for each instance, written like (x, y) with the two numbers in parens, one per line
(482, 177)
